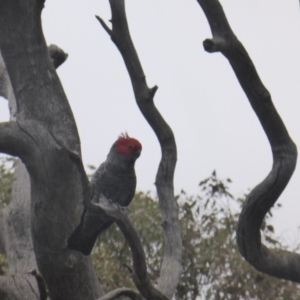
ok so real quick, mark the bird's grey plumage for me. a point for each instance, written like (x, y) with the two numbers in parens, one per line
(115, 179)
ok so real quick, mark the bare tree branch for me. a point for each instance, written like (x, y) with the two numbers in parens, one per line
(19, 247)
(30, 87)
(140, 275)
(6, 90)
(4, 79)
(171, 266)
(15, 141)
(278, 263)
(114, 211)
(115, 294)
(23, 281)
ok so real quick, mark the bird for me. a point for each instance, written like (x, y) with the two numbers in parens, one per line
(115, 179)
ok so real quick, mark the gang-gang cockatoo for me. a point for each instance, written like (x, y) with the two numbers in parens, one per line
(115, 179)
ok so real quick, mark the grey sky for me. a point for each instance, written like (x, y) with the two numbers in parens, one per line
(198, 94)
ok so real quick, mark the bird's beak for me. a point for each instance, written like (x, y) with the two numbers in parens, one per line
(137, 153)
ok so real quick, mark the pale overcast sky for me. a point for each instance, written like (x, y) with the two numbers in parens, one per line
(198, 94)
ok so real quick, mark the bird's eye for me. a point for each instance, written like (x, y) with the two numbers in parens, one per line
(130, 147)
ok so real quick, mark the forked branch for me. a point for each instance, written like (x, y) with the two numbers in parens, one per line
(22, 281)
(112, 210)
(171, 266)
(281, 264)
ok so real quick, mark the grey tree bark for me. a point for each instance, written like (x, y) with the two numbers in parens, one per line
(23, 281)
(51, 183)
(171, 265)
(279, 263)
(41, 132)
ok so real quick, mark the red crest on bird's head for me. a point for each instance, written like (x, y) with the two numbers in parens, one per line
(128, 146)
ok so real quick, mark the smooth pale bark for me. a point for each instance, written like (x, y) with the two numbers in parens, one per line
(15, 235)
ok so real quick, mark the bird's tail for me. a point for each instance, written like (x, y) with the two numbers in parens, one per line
(82, 242)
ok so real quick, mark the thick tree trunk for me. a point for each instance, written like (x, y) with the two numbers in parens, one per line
(43, 136)
(15, 236)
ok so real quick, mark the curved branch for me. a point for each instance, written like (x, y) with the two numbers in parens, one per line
(36, 86)
(15, 141)
(115, 294)
(112, 210)
(15, 233)
(171, 265)
(282, 264)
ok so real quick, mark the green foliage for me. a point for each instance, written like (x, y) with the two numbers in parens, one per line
(112, 256)
(3, 264)
(7, 166)
(213, 267)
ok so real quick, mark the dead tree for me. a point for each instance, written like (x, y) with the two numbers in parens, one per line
(42, 133)
(278, 263)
